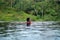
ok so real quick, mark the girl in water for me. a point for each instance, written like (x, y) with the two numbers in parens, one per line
(28, 21)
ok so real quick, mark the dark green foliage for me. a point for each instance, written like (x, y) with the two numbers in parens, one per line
(47, 9)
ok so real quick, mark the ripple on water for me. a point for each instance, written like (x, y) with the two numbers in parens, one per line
(37, 31)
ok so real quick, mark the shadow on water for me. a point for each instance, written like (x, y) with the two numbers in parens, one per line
(5, 29)
(37, 31)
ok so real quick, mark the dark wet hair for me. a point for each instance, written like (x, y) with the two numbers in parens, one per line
(28, 19)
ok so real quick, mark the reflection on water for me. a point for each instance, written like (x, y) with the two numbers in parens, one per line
(37, 31)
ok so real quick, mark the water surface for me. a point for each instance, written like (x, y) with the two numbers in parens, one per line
(37, 31)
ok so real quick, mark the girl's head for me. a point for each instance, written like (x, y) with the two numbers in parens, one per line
(28, 19)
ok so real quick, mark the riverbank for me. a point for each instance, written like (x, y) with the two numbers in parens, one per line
(16, 16)
(13, 15)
